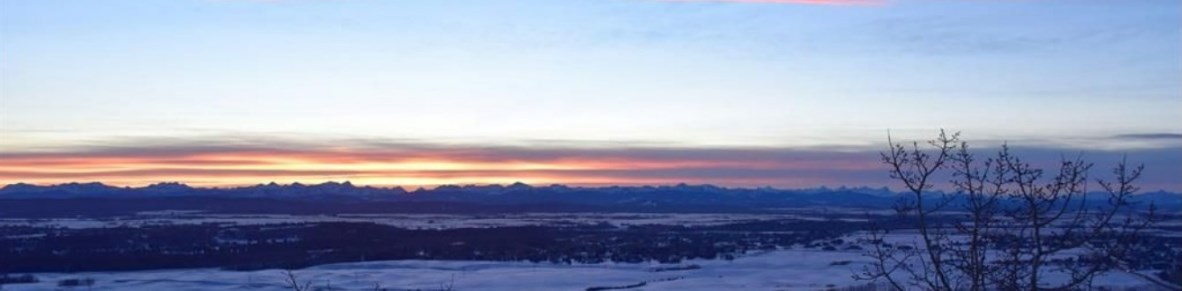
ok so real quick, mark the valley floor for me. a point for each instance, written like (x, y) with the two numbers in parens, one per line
(775, 270)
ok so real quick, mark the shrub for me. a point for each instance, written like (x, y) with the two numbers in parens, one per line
(75, 282)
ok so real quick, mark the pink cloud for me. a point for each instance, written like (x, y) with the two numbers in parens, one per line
(422, 165)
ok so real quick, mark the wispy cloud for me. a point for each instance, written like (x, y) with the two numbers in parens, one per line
(214, 163)
(225, 162)
(1151, 136)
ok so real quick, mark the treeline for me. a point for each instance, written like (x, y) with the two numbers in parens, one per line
(301, 245)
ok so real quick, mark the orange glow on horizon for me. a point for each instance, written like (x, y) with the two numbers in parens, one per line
(424, 168)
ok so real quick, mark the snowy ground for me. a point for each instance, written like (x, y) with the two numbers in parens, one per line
(795, 269)
(779, 270)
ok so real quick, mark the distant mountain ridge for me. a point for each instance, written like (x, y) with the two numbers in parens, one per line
(680, 195)
(348, 191)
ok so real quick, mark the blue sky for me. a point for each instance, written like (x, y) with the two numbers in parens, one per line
(1071, 74)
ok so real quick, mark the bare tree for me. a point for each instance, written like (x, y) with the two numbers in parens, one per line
(982, 186)
(924, 266)
(1014, 225)
(886, 258)
(294, 283)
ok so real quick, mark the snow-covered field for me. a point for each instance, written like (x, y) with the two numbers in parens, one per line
(788, 269)
(777, 270)
(780, 270)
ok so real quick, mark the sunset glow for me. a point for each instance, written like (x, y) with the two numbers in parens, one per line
(786, 93)
(432, 167)
(425, 165)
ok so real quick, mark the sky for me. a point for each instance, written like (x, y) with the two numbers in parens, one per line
(743, 93)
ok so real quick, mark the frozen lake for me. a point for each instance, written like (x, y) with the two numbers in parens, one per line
(779, 270)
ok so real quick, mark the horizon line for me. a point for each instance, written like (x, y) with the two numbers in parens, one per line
(416, 188)
(435, 186)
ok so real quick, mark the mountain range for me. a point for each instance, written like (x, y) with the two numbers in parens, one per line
(680, 197)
